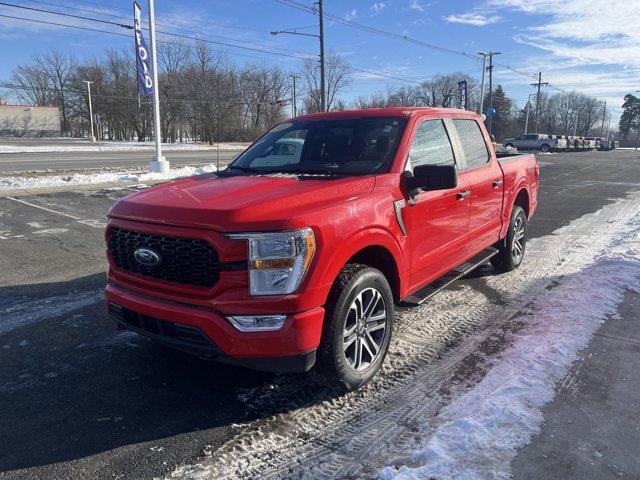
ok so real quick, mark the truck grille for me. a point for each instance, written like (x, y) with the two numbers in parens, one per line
(186, 261)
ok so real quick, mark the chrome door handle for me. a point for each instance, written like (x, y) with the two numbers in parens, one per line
(497, 183)
(464, 194)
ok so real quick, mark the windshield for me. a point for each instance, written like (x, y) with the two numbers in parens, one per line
(327, 147)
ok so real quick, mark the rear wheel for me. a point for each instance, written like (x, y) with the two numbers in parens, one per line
(511, 252)
(545, 148)
(357, 328)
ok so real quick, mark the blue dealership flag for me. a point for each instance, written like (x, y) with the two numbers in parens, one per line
(462, 86)
(143, 56)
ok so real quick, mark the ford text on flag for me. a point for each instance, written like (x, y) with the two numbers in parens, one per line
(145, 81)
(462, 86)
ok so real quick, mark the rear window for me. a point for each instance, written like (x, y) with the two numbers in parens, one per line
(474, 147)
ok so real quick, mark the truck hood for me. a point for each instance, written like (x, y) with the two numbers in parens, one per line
(239, 203)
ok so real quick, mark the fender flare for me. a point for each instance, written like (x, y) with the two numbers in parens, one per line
(372, 237)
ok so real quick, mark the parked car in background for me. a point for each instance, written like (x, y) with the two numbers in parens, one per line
(296, 266)
(558, 143)
(592, 143)
(530, 141)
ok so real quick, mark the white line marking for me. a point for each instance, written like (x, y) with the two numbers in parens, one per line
(90, 223)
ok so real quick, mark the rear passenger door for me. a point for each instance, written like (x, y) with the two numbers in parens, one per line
(438, 220)
(485, 180)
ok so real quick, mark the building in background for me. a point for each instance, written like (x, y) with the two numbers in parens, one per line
(29, 121)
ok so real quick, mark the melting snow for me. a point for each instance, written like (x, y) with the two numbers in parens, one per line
(124, 176)
(478, 434)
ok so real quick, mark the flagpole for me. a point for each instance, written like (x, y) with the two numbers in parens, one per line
(158, 162)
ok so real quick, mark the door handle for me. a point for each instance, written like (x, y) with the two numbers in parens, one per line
(497, 183)
(464, 194)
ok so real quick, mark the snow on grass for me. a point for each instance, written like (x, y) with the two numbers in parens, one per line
(124, 176)
(85, 146)
(478, 434)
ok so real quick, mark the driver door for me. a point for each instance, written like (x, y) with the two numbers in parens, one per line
(438, 220)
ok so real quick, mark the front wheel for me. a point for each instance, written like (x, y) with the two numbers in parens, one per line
(511, 251)
(545, 148)
(357, 328)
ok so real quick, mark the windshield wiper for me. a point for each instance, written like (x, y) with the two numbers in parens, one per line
(243, 169)
(309, 171)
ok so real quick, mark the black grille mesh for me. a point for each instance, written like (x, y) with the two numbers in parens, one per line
(187, 261)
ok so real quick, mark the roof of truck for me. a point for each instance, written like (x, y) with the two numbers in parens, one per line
(384, 112)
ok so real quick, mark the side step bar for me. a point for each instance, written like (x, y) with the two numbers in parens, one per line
(430, 289)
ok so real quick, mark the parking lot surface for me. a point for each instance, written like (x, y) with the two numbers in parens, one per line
(80, 399)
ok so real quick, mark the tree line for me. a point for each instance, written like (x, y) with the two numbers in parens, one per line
(206, 97)
(203, 95)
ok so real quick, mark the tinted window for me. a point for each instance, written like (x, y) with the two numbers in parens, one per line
(431, 145)
(472, 141)
(357, 146)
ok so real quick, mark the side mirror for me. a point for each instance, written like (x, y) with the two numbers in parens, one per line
(431, 177)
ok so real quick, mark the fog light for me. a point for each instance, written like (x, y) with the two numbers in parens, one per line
(257, 323)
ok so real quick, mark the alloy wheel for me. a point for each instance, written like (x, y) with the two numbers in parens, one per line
(365, 329)
(517, 246)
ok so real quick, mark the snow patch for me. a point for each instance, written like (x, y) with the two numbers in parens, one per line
(121, 147)
(478, 434)
(126, 176)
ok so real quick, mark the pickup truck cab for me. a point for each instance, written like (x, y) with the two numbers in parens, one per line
(531, 141)
(287, 265)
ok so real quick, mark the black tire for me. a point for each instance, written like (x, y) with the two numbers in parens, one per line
(545, 148)
(506, 259)
(334, 367)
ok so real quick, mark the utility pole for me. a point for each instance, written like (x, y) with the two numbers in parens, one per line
(294, 99)
(526, 122)
(538, 84)
(490, 69)
(93, 139)
(323, 92)
(604, 115)
(157, 164)
(484, 69)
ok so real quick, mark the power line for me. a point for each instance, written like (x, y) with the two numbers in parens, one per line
(130, 27)
(370, 72)
(193, 32)
(33, 9)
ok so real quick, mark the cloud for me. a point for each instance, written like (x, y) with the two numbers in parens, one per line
(470, 18)
(378, 7)
(351, 14)
(416, 5)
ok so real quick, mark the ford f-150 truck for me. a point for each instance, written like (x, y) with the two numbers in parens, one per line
(294, 256)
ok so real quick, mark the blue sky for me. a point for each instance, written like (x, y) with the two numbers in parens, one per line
(592, 46)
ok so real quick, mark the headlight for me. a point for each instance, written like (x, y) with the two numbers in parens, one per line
(278, 261)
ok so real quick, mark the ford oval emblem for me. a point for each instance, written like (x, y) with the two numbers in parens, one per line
(147, 257)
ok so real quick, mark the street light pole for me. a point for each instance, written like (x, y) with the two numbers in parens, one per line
(93, 138)
(320, 37)
(157, 164)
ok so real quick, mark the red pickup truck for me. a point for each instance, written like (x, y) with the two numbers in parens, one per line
(294, 256)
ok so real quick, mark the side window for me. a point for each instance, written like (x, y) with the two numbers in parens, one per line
(472, 142)
(431, 145)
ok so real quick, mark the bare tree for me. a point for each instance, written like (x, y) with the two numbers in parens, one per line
(337, 78)
(31, 85)
(60, 68)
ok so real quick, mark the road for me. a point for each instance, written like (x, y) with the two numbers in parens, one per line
(80, 399)
(18, 162)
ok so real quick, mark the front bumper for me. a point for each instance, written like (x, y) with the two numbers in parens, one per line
(206, 333)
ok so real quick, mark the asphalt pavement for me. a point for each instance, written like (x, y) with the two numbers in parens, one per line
(80, 399)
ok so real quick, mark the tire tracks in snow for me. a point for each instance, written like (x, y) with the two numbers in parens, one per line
(436, 349)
